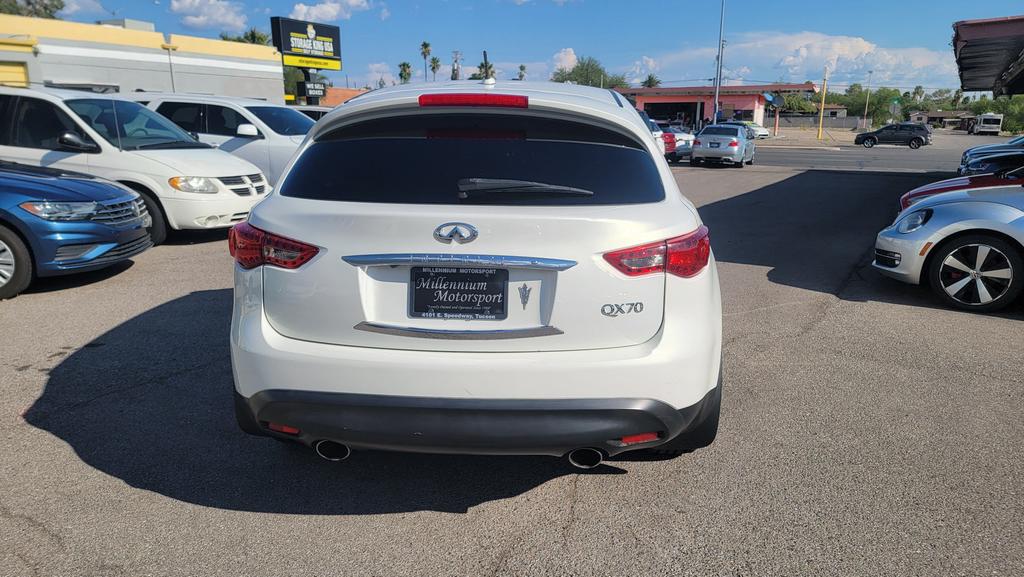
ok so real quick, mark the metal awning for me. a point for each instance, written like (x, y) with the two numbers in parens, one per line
(990, 54)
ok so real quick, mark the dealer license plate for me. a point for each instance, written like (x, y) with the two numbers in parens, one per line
(458, 293)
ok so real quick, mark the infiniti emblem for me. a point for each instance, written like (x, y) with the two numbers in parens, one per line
(460, 232)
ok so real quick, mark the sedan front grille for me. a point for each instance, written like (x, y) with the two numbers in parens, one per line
(119, 213)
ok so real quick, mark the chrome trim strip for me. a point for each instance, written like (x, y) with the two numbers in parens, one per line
(493, 335)
(433, 259)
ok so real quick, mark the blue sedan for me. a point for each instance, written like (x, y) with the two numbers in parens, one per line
(55, 222)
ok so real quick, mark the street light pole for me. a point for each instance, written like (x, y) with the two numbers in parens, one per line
(718, 71)
(867, 98)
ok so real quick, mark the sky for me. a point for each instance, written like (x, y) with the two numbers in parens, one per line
(904, 44)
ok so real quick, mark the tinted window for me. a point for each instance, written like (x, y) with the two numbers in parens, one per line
(281, 120)
(440, 151)
(129, 125)
(187, 115)
(223, 120)
(39, 124)
(5, 123)
(720, 131)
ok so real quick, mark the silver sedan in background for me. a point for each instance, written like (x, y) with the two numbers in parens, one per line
(730, 143)
(968, 245)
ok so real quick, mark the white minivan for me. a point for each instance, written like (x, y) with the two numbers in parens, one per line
(186, 184)
(265, 134)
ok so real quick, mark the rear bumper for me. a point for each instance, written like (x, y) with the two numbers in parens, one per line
(468, 426)
(732, 155)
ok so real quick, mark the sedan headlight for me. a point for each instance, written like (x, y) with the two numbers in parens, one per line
(914, 221)
(199, 184)
(61, 211)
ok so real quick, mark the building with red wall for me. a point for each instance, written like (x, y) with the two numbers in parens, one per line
(692, 104)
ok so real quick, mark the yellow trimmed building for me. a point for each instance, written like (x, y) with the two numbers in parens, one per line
(128, 56)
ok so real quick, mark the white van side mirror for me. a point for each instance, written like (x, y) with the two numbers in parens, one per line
(247, 131)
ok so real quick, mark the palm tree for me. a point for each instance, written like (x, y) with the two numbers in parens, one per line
(522, 72)
(250, 36)
(485, 70)
(435, 65)
(425, 53)
(405, 72)
(651, 81)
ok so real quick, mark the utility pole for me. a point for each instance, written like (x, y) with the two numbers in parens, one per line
(718, 64)
(821, 108)
(866, 99)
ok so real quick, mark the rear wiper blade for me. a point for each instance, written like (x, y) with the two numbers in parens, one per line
(481, 186)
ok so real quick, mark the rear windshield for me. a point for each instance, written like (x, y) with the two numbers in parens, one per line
(475, 159)
(991, 120)
(719, 131)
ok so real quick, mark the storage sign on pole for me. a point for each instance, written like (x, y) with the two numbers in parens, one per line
(307, 44)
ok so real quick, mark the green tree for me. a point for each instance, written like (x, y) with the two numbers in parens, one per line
(35, 8)
(651, 81)
(405, 72)
(796, 103)
(425, 53)
(250, 36)
(485, 70)
(522, 72)
(588, 71)
(435, 65)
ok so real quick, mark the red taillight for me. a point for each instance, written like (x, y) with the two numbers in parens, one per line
(682, 256)
(696, 142)
(670, 141)
(498, 100)
(734, 144)
(253, 247)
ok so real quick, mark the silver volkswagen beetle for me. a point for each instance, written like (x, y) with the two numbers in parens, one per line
(967, 244)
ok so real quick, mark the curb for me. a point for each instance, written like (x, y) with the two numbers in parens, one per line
(799, 147)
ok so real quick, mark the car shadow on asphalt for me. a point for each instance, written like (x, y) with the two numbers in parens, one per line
(56, 283)
(816, 230)
(150, 403)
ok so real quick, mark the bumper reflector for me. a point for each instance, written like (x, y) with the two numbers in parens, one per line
(637, 439)
(279, 428)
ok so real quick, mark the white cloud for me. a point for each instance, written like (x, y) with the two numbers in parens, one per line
(384, 12)
(72, 7)
(220, 14)
(759, 57)
(329, 11)
(641, 68)
(564, 58)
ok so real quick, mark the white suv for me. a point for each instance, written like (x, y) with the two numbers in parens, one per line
(531, 281)
(265, 134)
(186, 184)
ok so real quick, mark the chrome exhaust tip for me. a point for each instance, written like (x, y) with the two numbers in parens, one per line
(332, 451)
(585, 458)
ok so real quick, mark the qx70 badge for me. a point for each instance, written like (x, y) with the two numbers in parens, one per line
(460, 232)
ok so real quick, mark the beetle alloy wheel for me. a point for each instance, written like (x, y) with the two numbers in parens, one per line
(976, 274)
(7, 263)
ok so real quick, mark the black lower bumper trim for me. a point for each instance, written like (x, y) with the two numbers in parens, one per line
(470, 426)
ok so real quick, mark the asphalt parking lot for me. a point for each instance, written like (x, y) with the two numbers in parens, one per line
(865, 429)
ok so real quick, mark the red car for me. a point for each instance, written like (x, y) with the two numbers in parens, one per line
(977, 182)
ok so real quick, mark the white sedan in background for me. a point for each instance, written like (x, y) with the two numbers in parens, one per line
(967, 244)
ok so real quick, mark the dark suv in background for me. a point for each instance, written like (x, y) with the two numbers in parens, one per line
(907, 133)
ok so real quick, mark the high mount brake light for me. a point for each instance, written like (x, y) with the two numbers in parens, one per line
(683, 256)
(253, 247)
(459, 99)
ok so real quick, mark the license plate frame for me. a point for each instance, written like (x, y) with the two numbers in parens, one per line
(429, 287)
